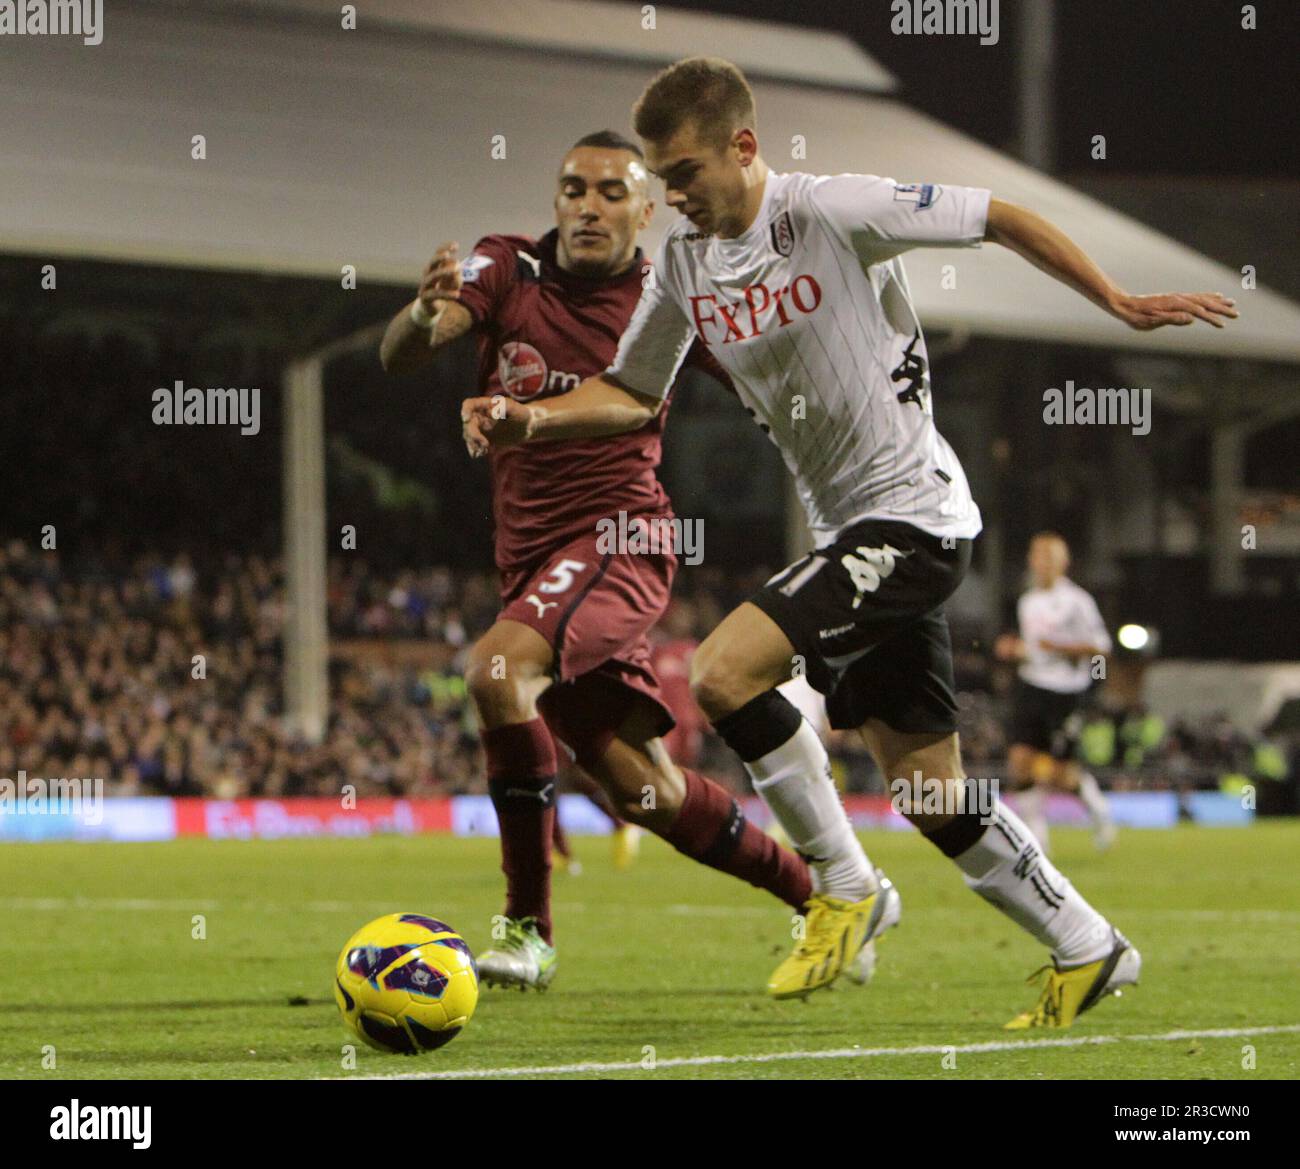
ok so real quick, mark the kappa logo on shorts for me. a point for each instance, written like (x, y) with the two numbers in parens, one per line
(869, 567)
(836, 631)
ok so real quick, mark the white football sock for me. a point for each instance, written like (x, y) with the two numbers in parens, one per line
(1031, 803)
(794, 782)
(1007, 868)
(1091, 795)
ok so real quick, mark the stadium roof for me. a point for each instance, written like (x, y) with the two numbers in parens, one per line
(328, 147)
(621, 32)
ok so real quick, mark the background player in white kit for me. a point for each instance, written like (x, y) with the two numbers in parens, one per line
(794, 282)
(1061, 634)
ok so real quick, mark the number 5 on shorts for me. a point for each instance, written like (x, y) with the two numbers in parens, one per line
(560, 578)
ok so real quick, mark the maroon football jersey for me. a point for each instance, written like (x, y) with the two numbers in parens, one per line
(542, 332)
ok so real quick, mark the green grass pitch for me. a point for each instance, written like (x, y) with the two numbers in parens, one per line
(663, 963)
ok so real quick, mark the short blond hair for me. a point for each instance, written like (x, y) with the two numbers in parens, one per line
(707, 91)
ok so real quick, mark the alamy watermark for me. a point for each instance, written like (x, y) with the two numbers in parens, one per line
(53, 18)
(921, 796)
(1114, 406)
(641, 536)
(946, 18)
(33, 796)
(102, 1122)
(211, 407)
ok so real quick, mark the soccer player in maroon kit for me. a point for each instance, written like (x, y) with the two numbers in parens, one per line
(569, 650)
(671, 648)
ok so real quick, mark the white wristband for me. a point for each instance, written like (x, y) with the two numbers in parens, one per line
(421, 317)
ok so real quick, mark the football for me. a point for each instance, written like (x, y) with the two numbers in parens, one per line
(406, 983)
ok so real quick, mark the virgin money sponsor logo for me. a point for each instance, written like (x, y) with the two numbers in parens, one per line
(522, 370)
(762, 310)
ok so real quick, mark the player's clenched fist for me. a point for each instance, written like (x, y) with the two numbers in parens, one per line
(497, 421)
(441, 279)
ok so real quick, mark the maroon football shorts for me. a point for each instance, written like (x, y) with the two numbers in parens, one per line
(595, 610)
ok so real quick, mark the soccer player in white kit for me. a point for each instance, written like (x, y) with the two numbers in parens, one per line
(794, 281)
(1061, 635)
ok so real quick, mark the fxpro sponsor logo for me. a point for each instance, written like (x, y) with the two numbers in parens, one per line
(1115, 406)
(762, 310)
(102, 1122)
(922, 796)
(651, 536)
(53, 18)
(217, 406)
(34, 796)
(946, 18)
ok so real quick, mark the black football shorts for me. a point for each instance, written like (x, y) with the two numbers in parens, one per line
(1046, 720)
(865, 616)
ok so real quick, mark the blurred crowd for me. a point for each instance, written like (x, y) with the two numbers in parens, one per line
(165, 677)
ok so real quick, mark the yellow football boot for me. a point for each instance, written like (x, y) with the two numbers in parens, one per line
(570, 864)
(863, 968)
(834, 932)
(627, 843)
(1068, 993)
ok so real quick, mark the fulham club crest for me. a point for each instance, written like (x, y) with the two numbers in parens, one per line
(783, 234)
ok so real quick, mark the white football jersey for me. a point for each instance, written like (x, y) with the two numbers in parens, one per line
(1064, 613)
(810, 313)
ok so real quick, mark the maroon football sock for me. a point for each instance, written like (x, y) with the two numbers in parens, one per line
(521, 781)
(560, 839)
(711, 829)
(596, 794)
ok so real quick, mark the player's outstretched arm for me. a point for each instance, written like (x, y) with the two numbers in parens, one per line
(1047, 247)
(1009, 648)
(1074, 650)
(598, 407)
(432, 319)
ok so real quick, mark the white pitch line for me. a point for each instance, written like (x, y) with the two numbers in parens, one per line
(675, 909)
(132, 903)
(180, 903)
(838, 1053)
